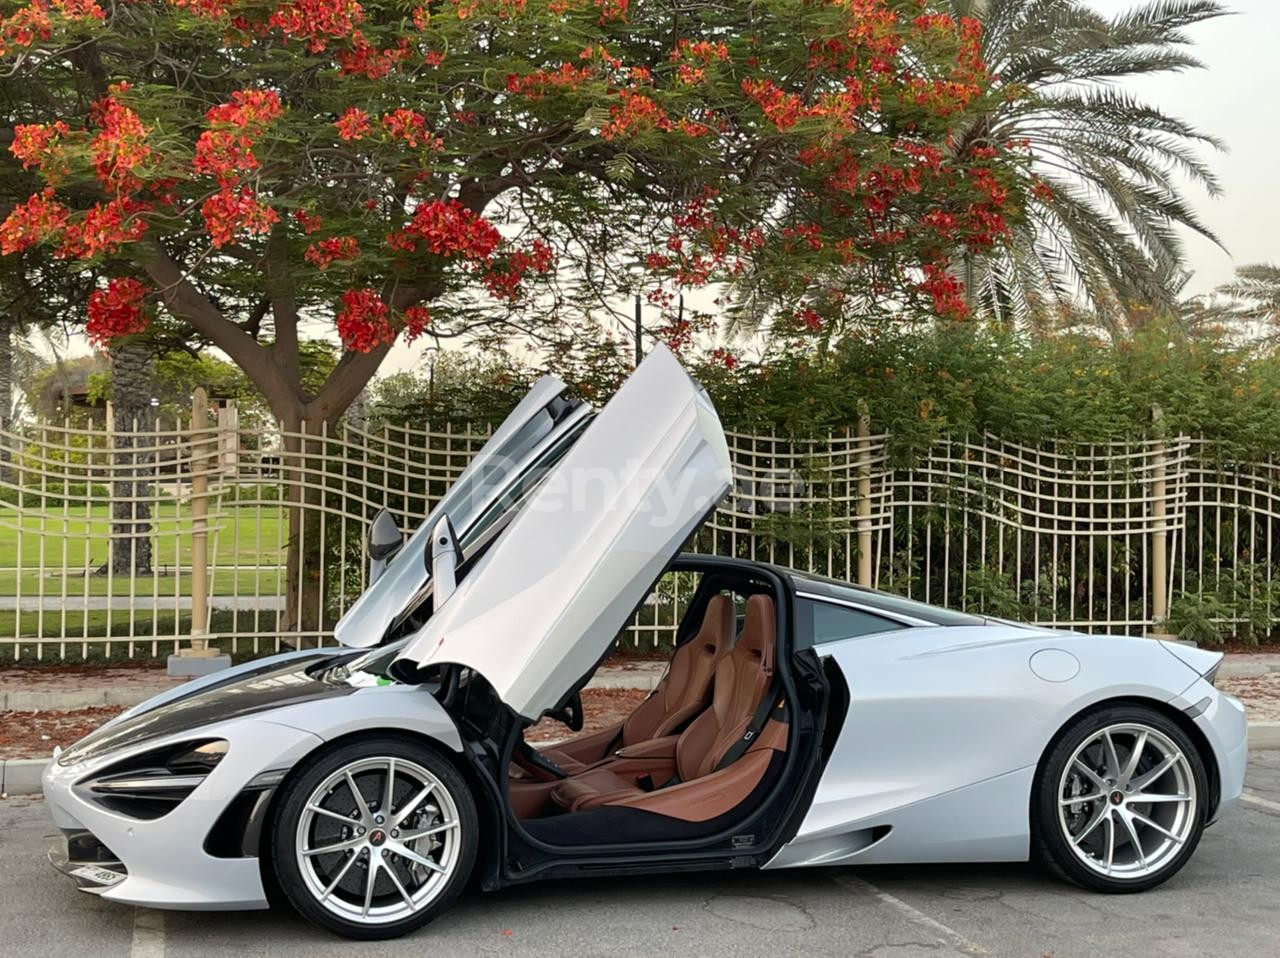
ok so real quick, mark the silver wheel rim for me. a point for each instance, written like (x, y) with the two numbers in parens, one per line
(1127, 801)
(378, 840)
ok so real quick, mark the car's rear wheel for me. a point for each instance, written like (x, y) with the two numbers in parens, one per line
(1120, 801)
(375, 838)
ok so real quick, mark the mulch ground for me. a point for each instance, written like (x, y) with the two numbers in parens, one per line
(601, 709)
(34, 734)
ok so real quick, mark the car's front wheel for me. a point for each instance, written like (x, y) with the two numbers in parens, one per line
(374, 838)
(1120, 801)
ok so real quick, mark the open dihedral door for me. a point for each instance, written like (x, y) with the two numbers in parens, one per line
(541, 421)
(543, 604)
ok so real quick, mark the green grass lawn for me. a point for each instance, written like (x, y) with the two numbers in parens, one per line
(57, 583)
(75, 539)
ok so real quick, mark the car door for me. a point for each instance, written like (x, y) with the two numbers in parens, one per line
(544, 603)
(541, 423)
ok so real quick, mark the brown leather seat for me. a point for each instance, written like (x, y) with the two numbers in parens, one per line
(682, 694)
(742, 679)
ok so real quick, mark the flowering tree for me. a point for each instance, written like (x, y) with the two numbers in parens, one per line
(254, 169)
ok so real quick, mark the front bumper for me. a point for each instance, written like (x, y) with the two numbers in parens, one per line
(163, 862)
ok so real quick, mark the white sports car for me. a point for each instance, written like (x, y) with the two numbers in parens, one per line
(801, 721)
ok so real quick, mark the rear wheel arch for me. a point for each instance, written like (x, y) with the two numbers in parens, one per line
(1180, 718)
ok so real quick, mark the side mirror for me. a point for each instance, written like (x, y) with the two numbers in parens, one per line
(444, 562)
(385, 541)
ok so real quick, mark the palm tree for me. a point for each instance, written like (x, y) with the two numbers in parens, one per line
(1103, 228)
(132, 382)
(1256, 290)
(1253, 300)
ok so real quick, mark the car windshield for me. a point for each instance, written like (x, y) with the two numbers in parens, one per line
(472, 491)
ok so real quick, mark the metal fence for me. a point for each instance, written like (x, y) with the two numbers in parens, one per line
(124, 542)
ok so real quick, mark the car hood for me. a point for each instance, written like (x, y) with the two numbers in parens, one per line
(271, 685)
(544, 604)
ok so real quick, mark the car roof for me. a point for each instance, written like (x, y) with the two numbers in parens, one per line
(873, 600)
(877, 600)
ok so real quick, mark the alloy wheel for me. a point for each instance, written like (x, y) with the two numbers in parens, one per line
(1127, 801)
(378, 840)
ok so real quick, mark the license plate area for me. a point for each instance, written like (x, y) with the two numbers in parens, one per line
(97, 875)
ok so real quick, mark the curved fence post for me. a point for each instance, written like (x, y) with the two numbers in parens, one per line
(864, 497)
(1159, 529)
(199, 658)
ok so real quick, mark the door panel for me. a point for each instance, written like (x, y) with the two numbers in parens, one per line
(543, 604)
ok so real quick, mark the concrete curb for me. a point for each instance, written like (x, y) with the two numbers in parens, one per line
(66, 699)
(1264, 736)
(21, 776)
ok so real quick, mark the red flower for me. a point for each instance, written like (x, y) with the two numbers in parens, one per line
(537, 84)
(310, 224)
(225, 151)
(637, 114)
(612, 9)
(448, 228)
(228, 212)
(365, 58)
(784, 110)
(317, 21)
(353, 125)
(946, 290)
(363, 322)
(324, 252)
(410, 126)
(249, 110)
(416, 321)
(35, 144)
(105, 228)
(116, 311)
(212, 9)
(27, 25)
(724, 358)
(39, 219)
(120, 147)
(504, 281)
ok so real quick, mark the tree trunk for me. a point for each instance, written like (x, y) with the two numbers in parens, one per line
(304, 561)
(133, 460)
(6, 394)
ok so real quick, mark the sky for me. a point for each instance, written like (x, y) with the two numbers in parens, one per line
(1233, 99)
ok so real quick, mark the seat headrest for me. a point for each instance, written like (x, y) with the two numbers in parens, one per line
(759, 632)
(717, 623)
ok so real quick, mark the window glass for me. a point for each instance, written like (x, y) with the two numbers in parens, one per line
(825, 622)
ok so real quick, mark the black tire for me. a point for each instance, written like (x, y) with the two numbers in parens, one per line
(1051, 846)
(312, 774)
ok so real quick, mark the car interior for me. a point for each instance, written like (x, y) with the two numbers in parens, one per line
(698, 752)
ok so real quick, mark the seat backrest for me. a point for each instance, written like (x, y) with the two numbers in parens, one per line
(743, 678)
(686, 687)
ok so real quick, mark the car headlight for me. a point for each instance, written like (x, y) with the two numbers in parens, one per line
(153, 783)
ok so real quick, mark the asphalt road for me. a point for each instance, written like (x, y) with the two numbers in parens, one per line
(1223, 903)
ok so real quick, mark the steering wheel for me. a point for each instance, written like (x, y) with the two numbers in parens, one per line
(570, 713)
